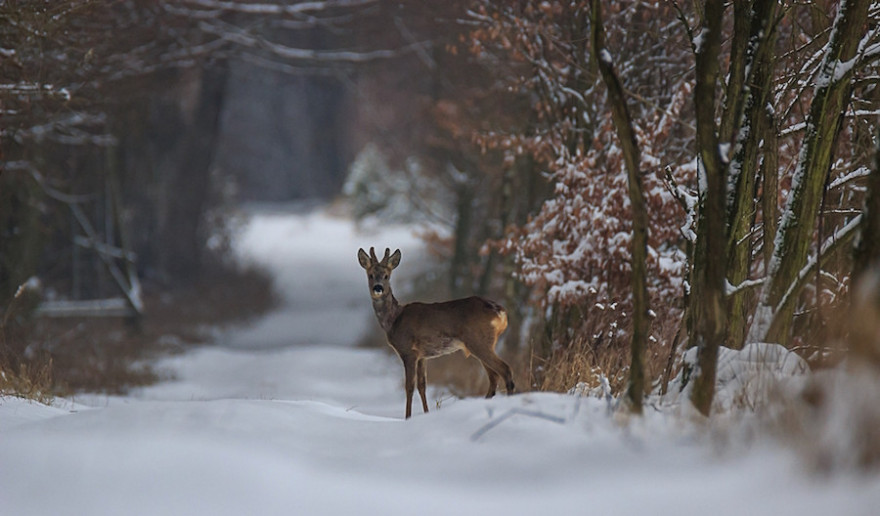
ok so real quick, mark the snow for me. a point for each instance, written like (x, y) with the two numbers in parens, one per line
(288, 416)
(850, 176)
(748, 376)
(699, 39)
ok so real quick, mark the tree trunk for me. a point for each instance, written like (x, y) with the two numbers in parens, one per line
(866, 255)
(22, 237)
(710, 313)
(184, 234)
(795, 234)
(623, 123)
(758, 58)
(736, 73)
(770, 178)
(459, 272)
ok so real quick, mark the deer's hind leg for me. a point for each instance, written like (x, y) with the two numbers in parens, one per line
(493, 381)
(485, 352)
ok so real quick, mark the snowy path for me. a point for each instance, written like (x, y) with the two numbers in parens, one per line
(287, 417)
(306, 348)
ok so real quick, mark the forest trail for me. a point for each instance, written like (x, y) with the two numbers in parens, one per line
(288, 416)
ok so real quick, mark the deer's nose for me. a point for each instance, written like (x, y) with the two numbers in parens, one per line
(378, 289)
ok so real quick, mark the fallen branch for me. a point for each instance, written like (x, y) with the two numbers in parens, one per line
(514, 412)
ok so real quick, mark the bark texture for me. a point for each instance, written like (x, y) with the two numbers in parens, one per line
(798, 223)
(709, 264)
(639, 244)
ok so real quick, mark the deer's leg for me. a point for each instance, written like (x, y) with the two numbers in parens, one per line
(422, 377)
(493, 381)
(490, 360)
(409, 368)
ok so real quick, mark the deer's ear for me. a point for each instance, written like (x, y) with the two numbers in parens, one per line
(363, 259)
(394, 261)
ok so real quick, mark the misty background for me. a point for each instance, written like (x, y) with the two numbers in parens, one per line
(133, 133)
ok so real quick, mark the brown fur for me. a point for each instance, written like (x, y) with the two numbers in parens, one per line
(419, 331)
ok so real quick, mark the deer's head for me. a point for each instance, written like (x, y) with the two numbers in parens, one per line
(379, 272)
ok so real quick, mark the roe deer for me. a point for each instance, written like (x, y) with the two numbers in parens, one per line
(419, 331)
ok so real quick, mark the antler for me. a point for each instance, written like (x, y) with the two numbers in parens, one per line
(375, 260)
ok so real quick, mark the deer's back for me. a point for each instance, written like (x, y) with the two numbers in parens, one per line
(441, 328)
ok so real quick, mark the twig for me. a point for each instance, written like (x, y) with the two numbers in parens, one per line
(685, 199)
(513, 412)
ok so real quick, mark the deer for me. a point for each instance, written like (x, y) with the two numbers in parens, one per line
(419, 331)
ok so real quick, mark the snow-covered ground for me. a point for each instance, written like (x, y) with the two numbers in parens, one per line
(288, 417)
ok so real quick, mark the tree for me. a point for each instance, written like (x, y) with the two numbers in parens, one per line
(575, 252)
(866, 253)
(833, 88)
(754, 30)
(639, 244)
(708, 265)
(747, 143)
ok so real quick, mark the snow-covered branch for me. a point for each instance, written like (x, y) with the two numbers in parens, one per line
(149, 59)
(238, 36)
(274, 8)
(66, 129)
(851, 176)
(842, 236)
(731, 290)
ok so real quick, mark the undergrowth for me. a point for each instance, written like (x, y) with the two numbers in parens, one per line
(598, 347)
(31, 380)
(576, 349)
(45, 357)
(29, 377)
(834, 420)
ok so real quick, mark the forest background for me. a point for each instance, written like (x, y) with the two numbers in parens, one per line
(630, 179)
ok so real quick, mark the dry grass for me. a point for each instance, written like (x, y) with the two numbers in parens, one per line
(32, 380)
(29, 378)
(40, 358)
(582, 362)
(560, 372)
(834, 420)
(600, 347)
(96, 355)
(588, 356)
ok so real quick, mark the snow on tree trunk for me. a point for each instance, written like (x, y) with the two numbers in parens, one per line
(758, 62)
(795, 234)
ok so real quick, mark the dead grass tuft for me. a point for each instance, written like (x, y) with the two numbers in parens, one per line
(834, 420)
(31, 380)
(44, 357)
(600, 347)
(581, 363)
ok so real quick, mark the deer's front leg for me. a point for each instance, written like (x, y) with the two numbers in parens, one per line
(422, 377)
(409, 368)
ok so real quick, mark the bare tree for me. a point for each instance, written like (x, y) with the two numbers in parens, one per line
(708, 270)
(639, 243)
(847, 48)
